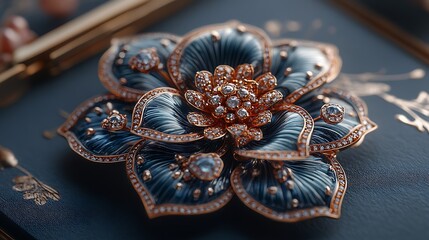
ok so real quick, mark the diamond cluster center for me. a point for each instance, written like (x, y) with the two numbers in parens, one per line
(230, 97)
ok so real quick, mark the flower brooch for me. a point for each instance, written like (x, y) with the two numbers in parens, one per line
(223, 111)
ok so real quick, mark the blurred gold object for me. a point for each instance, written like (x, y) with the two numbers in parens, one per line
(374, 84)
(32, 188)
(80, 38)
(7, 158)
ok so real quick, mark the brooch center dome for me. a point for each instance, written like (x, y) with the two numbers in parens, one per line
(232, 101)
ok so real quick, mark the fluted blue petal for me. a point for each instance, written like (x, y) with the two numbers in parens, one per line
(209, 47)
(165, 198)
(102, 145)
(355, 117)
(167, 113)
(307, 190)
(114, 65)
(281, 134)
(302, 57)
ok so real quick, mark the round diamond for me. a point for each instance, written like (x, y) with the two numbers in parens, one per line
(233, 102)
(243, 93)
(205, 166)
(114, 118)
(332, 113)
(228, 89)
(333, 110)
(219, 111)
(215, 100)
(145, 60)
(114, 122)
(242, 113)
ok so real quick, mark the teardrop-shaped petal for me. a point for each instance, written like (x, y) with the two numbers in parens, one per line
(244, 72)
(293, 191)
(200, 119)
(117, 75)
(204, 81)
(286, 137)
(86, 136)
(266, 82)
(167, 187)
(161, 115)
(301, 67)
(196, 99)
(226, 44)
(269, 99)
(223, 74)
(332, 137)
(213, 133)
(262, 119)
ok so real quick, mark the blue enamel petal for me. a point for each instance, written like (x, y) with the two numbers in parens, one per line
(285, 137)
(303, 66)
(355, 125)
(164, 184)
(292, 191)
(117, 76)
(209, 47)
(163, 112)
(281, 134)
(86, 136)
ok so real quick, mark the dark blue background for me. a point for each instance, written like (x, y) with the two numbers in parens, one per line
(388, 175)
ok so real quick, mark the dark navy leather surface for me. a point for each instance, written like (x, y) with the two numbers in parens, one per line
(388, 175)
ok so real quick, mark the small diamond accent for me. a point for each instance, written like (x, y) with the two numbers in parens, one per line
(242, 113)
(115, 121)
(228, 89)
(332, 113)
(233, 102)
(144, 61)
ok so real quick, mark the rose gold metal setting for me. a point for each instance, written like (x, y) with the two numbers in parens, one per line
(333, 211)
(263, 118)
(140, 65)
(174, 60)
(137, 120)
(266, 82)
(153, 210)
(115, 122)
(243, 135)
(303, 141)
(244, 71)
(213, 133)
(357, 134)
(108, 79)
(200, 119)
(325, 76)
(75, 144)
(196, 99)
(331, 118)
(233, 98)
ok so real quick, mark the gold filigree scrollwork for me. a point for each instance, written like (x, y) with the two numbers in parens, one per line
(369, 84)
(413, 108)
(31, 187)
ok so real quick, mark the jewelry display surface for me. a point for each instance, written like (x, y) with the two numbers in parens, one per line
(386, 174)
